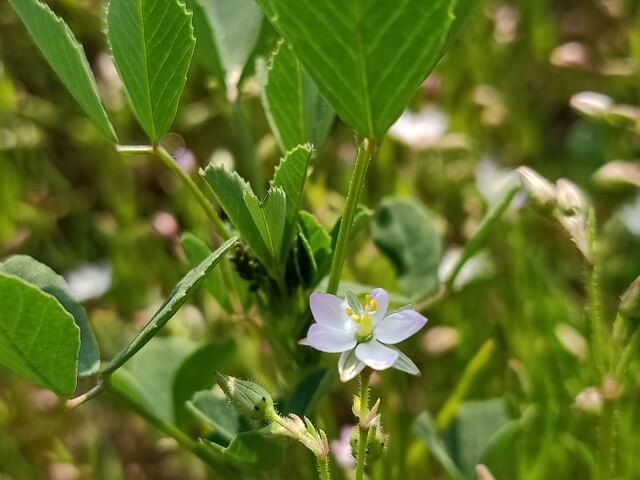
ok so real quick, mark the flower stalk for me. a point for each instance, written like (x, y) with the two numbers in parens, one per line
(366, 149)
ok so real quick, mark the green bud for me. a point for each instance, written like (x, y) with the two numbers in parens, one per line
(630, 301)
(540, 190)
(249, 398)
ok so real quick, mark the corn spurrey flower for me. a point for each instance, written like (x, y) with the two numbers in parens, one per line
(363, 334)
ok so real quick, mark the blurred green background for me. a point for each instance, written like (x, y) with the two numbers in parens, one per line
(501, 98)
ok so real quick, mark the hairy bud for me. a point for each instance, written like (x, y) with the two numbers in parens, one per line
(540, 190)
(630, 301)
(249, 398)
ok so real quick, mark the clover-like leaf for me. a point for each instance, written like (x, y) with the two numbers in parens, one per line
(67, 58)
(152, 43)
(297, 113)
(43, 277)
(39, 339)
(367, 57)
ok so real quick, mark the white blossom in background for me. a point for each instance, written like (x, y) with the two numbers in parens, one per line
(629, 214)
(89, 281)
(363, 334)
(494, 182)
(420, 129)
(591, 103)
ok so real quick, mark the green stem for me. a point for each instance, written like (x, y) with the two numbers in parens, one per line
(323, 468)
(595, 315)
(365, 150)
(606, 441)
(363, 429)
(166, 158)
(180, 437)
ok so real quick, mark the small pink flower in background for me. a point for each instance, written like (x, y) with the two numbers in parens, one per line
(363, 334)
(342, 449)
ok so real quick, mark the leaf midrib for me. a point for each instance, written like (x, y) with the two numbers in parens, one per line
(147, 84)
(362, 65)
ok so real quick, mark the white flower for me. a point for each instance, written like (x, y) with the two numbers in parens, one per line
(363, 334)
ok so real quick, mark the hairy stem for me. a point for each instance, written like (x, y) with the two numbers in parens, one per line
(595, 301)
(606, 433)
(166, 158)
(323, 468)
(363, 429)
(365, 150)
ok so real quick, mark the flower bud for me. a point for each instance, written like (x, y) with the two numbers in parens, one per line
(589, 400)
(376, 446)
(571, 200)
(630, 301)
(540, 190)
(248, 398)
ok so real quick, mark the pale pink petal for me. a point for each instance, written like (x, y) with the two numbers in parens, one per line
(399, 326)
(330, 310)
(328, 339)
(349, 366)
(381, 297)
(376, 355)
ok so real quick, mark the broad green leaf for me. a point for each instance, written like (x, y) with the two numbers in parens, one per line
(236, 28)
(296, 111)
(406, 233)
(66, 57)
(471, 432)
(205, 51)
(425, 429)
(172, 304)
(148, 377)
(269, 216)
(319, 242)
(38, 338)
(367, 57)
(196, 373)
(217, 413)
(152, 43)
(41, 276)
(196, 251)
(229, 188)
(251, 451)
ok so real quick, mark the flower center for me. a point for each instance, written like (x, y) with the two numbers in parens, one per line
(363, 319)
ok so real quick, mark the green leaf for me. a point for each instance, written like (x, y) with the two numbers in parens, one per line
(41, 276)
(319, 242)
(406, 233)
(196, 251)
(305, 393)
(236, 28)
(148, 378)
(196, 373)
(269, 216)
(171, 305)
(367, 57)
(229, 188)
(291, 175)
(66, 57)
(471, 432)
(152, 43)
(425, 429)
(39, 339)
(206, 50)
(296, 111)
(217, 413)
(251, 451)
